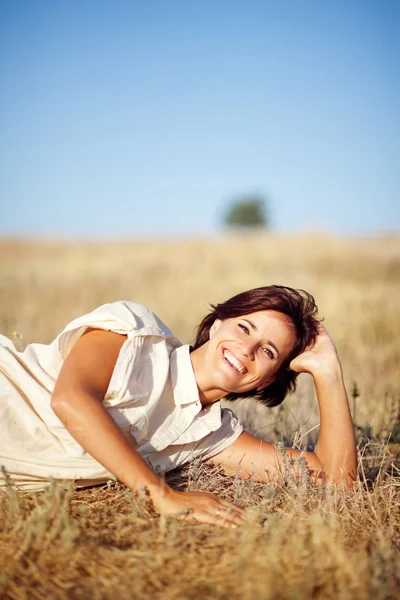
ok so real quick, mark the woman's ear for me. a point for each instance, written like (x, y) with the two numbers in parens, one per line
(214, 327)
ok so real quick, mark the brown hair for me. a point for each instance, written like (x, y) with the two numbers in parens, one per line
(296, 304)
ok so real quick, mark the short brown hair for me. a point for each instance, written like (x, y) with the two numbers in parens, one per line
(296, 304)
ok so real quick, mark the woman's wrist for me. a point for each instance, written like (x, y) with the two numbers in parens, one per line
(156, 492)
(144, 481)
(160, 495)
(330, 370)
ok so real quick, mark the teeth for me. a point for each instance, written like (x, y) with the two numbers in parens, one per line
(233, 361)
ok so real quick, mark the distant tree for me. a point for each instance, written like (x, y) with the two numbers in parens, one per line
(247, 211)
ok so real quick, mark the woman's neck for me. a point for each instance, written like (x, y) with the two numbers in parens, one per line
(208, 394)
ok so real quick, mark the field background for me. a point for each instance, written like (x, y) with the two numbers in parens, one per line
(300, 542)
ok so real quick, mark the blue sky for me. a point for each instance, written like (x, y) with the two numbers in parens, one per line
(129, 118)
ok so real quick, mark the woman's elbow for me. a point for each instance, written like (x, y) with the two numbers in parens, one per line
(345, 479)
(60, 404)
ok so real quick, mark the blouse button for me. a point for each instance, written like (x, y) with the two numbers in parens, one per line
(135, 428)
(158, 468)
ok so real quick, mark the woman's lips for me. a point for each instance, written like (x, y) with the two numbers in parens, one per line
(234, 362)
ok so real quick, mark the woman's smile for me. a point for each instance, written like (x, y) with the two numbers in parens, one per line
(234, 362)
(236, 367)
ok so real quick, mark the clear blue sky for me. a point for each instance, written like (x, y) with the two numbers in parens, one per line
(146, 118)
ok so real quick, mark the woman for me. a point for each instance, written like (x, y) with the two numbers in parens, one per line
(117, 395)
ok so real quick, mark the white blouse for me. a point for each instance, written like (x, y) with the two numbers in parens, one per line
(152, 397)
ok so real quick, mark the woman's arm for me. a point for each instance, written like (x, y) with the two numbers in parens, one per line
(335, 454)
(78, 402)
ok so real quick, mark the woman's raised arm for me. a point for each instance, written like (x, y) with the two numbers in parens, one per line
(335, 454)
(77, 400)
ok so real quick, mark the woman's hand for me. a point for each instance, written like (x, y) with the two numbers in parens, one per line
(320, 359)
(203, 507)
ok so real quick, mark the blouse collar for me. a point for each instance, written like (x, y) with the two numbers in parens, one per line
(185, 390)
(184, 385)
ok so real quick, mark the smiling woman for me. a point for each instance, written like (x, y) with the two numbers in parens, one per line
(291, 317)
(118, 395)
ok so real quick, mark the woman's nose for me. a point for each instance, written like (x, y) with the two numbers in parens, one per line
(249, 348)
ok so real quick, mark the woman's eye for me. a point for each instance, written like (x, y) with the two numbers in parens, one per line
(268, 352)
(245, 329)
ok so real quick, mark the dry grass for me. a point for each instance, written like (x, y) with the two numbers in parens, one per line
(299, 541)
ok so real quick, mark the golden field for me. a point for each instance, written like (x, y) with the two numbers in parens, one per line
(300, 541)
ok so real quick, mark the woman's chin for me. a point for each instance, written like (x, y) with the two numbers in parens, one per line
(230, 380)
(234, 387)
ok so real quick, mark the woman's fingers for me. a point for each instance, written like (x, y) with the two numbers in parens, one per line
(202, 507)
(230, 506)
(231, 516)
(224, 505)
(227, 515)
(219, 518)
(213, 520)
(228, 519)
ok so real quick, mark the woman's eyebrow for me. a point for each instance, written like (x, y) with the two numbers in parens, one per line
(251, 324)
(268, 341)
(274, 347)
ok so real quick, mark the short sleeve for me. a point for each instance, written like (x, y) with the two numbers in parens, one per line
(215, 442)
(123, 317)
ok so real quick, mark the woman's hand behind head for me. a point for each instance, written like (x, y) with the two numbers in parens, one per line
(321, 358)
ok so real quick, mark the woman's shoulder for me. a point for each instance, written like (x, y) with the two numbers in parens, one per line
(133, 315)
(123, 316)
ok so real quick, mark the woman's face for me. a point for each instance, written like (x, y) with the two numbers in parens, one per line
(246, 352)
